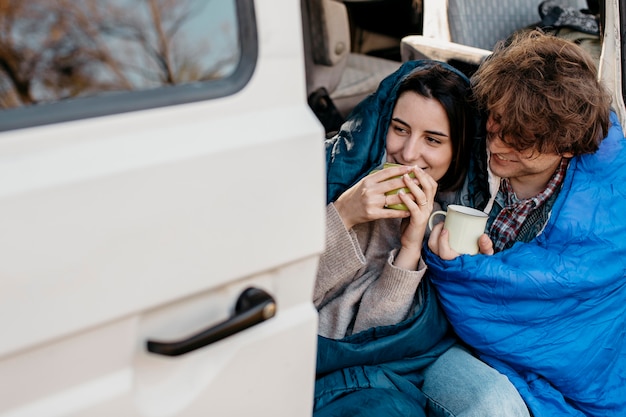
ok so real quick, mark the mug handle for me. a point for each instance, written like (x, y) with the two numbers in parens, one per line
(432, 216)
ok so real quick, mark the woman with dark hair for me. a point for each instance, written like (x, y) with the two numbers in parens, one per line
(384, 345)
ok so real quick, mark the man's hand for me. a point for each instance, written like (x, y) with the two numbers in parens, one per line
(485, 245)
(439, 244)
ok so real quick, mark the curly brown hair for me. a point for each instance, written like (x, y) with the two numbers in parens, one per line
(544, 93)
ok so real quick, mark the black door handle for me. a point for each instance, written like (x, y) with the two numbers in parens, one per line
(253, 307)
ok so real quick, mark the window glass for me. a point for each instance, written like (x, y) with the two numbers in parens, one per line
(56, 50)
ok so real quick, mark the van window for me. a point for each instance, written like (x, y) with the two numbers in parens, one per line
(83, 58)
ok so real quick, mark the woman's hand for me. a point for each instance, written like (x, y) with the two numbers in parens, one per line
(420, 204)
(366, 200)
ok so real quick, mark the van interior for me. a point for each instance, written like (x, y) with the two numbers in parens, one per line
(351, 45)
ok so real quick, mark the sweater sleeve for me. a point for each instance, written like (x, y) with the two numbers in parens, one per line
(357, 286)
(390, 298)
(341, 260)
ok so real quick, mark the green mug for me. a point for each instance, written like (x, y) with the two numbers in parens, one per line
(399, 206)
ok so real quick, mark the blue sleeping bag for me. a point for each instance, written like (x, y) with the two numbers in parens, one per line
(551, 313)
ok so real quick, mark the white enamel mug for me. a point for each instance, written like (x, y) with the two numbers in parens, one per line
(465, 225)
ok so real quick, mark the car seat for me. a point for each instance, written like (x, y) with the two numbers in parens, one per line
(337, 78)
(463, 32)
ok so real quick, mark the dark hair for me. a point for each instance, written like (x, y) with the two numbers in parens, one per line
(544, 93)
(452, 90)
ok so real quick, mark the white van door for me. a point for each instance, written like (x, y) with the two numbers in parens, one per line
(162, 196)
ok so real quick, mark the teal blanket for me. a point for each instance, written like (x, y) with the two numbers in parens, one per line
(377, 372)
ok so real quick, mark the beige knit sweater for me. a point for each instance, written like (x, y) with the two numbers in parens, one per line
(357, 285)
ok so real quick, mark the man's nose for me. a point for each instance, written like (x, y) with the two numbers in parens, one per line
(494, 141)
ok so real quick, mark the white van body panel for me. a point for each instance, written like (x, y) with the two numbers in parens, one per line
(148, 225)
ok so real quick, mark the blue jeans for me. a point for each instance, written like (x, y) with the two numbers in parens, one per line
(459, 385)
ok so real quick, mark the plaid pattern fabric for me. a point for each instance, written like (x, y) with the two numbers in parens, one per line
(509, 221)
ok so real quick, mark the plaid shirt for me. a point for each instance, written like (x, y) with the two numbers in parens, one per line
(514, 213)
